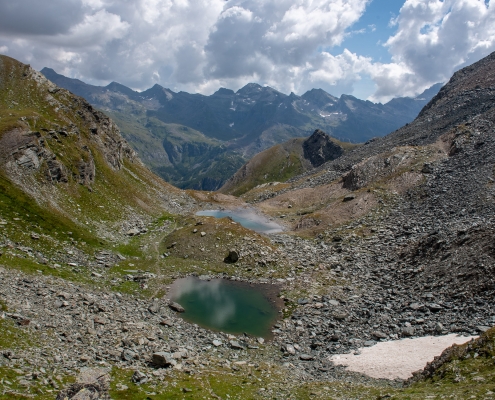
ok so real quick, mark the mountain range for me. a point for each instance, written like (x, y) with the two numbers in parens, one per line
(388, 240)
(197, 141)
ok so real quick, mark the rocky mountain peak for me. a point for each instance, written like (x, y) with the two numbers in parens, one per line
(319, 148)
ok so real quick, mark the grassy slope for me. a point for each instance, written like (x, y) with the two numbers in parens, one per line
(65, 213)
(276, 164)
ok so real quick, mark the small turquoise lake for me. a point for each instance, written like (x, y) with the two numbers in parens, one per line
(228, 306)
(247, 218)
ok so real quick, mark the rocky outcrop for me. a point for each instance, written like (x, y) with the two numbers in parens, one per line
(319, 148)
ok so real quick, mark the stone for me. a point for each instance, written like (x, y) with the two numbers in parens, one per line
(306, 357)
(288, 348)
(91, 384)
(128, 355)
(203, 234)
(340, 316)
(167, 322)
(139, 377)
(99, 320)
(434, 307)
(232, 257)
(176, 307)
(482, 328)
(408, 331)
(164, 359)
(133, 232)
(216, 343)
(349, 197)
(416, 306)
(154, 308)
(237, 345)
(379, 335)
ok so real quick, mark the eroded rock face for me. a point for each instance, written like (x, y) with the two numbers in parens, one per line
(319, 148)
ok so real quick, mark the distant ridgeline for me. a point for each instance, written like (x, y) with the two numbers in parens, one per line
(196, 141)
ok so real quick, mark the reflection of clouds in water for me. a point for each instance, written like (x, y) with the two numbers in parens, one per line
(247, 218)
(222, 307)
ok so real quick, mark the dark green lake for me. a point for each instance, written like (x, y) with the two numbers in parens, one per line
(228, 306)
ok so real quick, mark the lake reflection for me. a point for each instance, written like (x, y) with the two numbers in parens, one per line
(247, 218)
(227, 306)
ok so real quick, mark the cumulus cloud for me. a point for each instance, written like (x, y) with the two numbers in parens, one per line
(433, 39)
(200, 45)
(277, 41)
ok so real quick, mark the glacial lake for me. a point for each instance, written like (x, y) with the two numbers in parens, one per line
(228, 306)
(247, 218)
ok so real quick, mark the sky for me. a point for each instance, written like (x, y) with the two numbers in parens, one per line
(372, 49)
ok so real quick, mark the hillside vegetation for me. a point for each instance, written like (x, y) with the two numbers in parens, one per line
(280, 163)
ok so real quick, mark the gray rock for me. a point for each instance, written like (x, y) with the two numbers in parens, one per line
(416, 306)
(408, 331)
(288, 348)
(236, 345)
(133, 232)
(435, 307)
(340, 316)
(232, 257)
(139, 377)
(128, 355)
(482, 328)
(306, 357)
(176, 307)
(379, 335)
(163, 359)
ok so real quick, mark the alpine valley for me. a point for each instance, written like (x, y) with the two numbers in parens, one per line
(197, 142)
(383, 242)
